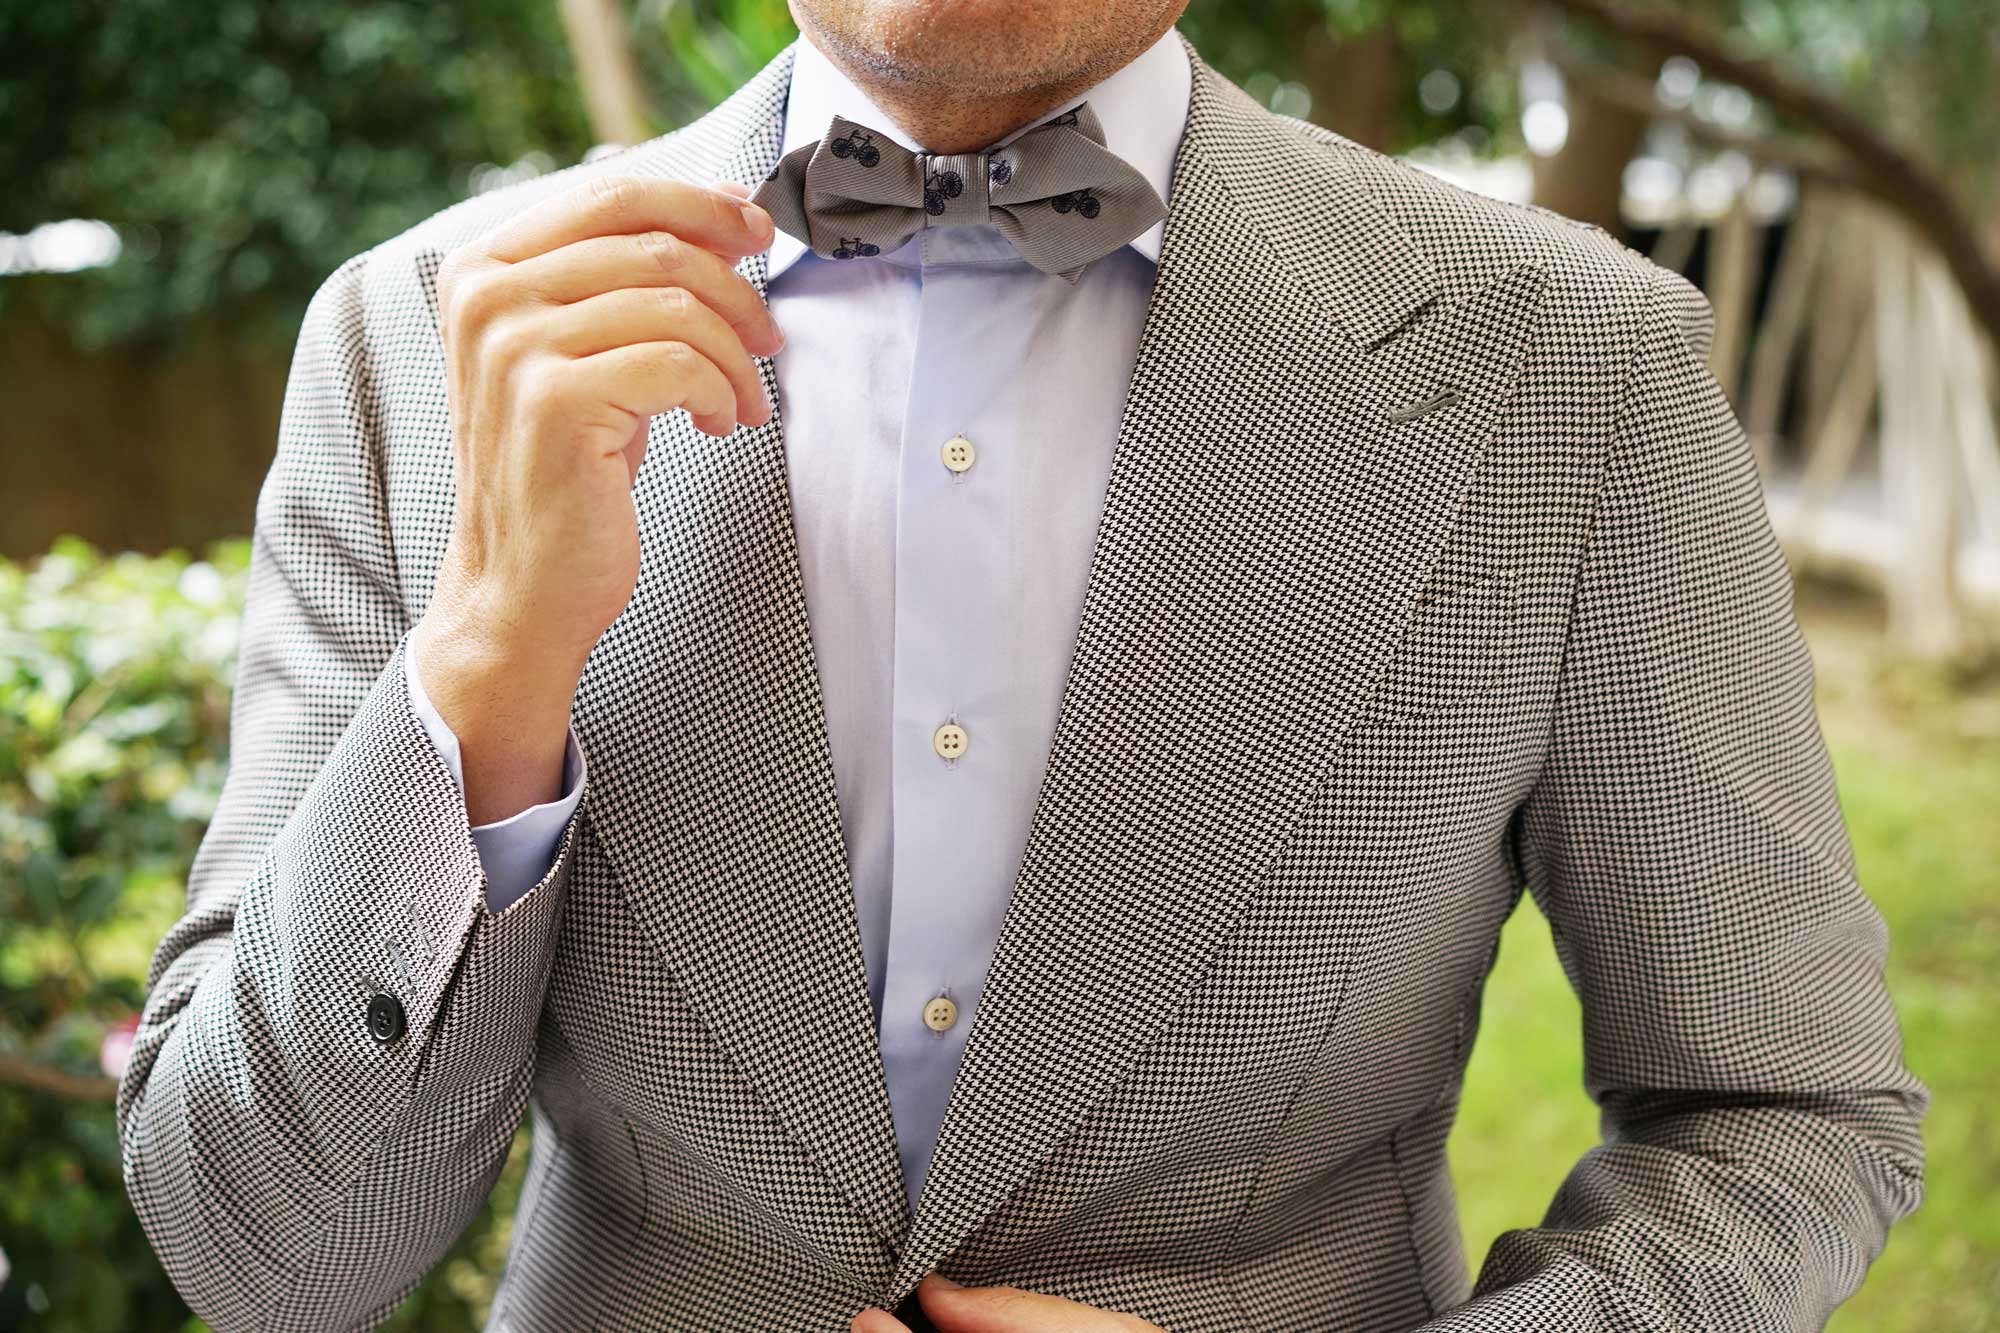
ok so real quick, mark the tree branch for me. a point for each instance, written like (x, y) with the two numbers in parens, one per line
(1891, 173)
(16, 1072)
(1637, 95)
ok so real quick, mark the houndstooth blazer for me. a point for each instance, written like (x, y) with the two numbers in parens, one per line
(1432, 566)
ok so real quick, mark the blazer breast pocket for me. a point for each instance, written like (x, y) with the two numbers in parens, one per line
(1455, 648)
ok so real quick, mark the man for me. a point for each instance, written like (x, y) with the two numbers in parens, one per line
(1053, 785)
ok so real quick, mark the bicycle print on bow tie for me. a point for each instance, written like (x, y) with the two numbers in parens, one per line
(856, 249)
(1082, 201)
(940, 186)
(859, 145)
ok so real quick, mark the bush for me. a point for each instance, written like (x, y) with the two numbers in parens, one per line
(114, 701)
(115, 678)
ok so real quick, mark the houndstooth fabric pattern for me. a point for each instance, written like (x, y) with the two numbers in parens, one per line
(1432, 565)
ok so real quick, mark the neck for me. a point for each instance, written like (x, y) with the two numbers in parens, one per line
(943, 125)
(952, 120)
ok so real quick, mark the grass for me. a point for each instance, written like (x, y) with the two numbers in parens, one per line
(1918, 759)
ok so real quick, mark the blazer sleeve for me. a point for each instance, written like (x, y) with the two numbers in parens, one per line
(295, 1165)
(1760, 1130)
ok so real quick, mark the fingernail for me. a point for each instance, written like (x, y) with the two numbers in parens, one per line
(939, 1279)
(758, 221)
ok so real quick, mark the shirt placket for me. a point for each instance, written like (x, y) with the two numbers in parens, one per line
(952, 755)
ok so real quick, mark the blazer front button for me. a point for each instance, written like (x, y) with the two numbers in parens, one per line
(385, 1018)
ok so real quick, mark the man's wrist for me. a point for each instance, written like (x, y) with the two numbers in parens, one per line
(507, 703)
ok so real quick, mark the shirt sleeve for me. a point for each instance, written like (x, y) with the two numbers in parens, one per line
(517, 851)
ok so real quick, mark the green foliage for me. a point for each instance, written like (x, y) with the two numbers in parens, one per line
(114, 695)
(1925, 70)
(244, 149)
(710, 49)
(115, 677)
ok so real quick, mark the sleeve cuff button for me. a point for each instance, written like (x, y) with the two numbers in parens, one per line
(385, 1018)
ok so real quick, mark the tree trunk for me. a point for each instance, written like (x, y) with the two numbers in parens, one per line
(1353, 83)
(600, 42)
(1586, 178)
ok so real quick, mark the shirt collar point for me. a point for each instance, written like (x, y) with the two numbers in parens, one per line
(786, 250)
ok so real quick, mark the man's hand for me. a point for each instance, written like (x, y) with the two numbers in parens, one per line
(565, 331)
(956, 1309)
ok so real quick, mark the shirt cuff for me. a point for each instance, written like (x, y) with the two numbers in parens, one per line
(517, 852)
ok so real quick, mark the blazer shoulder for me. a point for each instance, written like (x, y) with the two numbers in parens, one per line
(1601, 284)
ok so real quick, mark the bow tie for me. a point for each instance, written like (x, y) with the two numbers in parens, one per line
(1056, 193)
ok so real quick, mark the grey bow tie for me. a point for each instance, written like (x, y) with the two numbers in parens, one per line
(1056, 193)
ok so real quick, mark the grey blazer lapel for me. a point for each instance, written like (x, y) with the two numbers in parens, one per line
(713, 788)
(1273, 512)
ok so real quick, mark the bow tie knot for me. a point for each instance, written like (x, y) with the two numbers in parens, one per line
(1056, 193)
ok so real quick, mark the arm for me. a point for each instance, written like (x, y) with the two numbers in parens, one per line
(292, 1170)
(1686, 844)
(340, 1034)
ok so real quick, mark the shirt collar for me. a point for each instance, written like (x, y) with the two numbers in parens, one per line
(1142, 107)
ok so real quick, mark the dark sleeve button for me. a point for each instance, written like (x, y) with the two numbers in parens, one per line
(385, 1018)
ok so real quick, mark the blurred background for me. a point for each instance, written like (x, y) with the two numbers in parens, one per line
(176, 179)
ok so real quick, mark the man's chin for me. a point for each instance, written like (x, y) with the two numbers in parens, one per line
(963, 45)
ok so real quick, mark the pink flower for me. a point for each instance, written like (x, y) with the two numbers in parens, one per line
(116, 1049)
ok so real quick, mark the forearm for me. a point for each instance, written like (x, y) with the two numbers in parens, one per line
(506, 696)
(262, 1112)
(1756, 1215)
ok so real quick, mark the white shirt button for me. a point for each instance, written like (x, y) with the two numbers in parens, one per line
(940, 1014)
(957, 453)
(950, 740)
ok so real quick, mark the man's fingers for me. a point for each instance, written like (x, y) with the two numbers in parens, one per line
(645, 379)
(877, 1321)
(992, 1310)
(601, 264)
(956, 1309)
(624, 205)
(658, 314)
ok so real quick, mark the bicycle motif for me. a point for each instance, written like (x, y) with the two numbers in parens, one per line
(1081, 201)
(940, 186)
(859, 145)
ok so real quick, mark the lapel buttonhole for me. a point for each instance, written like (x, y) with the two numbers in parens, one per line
(1437, 402)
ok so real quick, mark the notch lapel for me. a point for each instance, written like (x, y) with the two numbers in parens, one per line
(714, 794)
(1268, 526)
